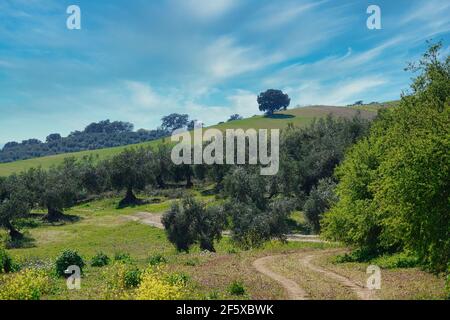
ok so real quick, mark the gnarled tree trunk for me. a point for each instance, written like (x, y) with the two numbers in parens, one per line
(13, 232)
(189, 183)
(207, 245)
(130, 199)
(53, 215)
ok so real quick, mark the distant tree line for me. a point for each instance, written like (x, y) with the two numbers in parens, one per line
(97, 135)
(104, 134)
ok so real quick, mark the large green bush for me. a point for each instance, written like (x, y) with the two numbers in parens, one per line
(394, 186)
(66, 259)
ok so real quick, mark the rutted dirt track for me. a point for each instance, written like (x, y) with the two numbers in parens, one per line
(292, 288)
(361, 292)
(295, 292)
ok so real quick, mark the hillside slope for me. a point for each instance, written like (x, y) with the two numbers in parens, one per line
(297, 116)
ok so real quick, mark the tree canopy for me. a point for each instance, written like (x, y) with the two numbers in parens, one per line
(394, 185)
(273, 100)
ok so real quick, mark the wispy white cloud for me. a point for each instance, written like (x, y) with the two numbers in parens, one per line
(279, 14)
(224, 58)
(339, 93)
(143, 96)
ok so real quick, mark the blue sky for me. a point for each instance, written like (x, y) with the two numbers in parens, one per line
(137, 60)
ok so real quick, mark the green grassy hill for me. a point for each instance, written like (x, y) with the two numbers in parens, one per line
(297, 116)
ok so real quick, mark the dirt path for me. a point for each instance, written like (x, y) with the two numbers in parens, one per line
(292, 288)
(361, 292)
(151, 219)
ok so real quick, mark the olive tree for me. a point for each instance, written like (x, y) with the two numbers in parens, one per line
(56, 189)
(130, 170)
(13, 204)
(191, 222)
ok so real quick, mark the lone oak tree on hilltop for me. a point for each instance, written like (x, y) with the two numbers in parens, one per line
(273, 100)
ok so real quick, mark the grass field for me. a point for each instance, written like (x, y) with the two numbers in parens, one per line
(297, 116)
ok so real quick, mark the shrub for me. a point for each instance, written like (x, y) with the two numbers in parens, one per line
(155, 287)
(232, 250)
(132, 278)
(387, 261)
(6, 262)
(122, 257)
(180, 278)
(236, 288)
(358, 255)
(28, 284)
(120, 278)
(66, 259)
(156, 259)
(399, 260)
(100, 260)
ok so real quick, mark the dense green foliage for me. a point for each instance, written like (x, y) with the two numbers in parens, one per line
(174, 121)
(312, 153)
(394, 185)
(130, 170)
(55, 189)
(66, 259)
(254, 217)
(192, 222)
(100, 260)
(319, 201)
(273, 100)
